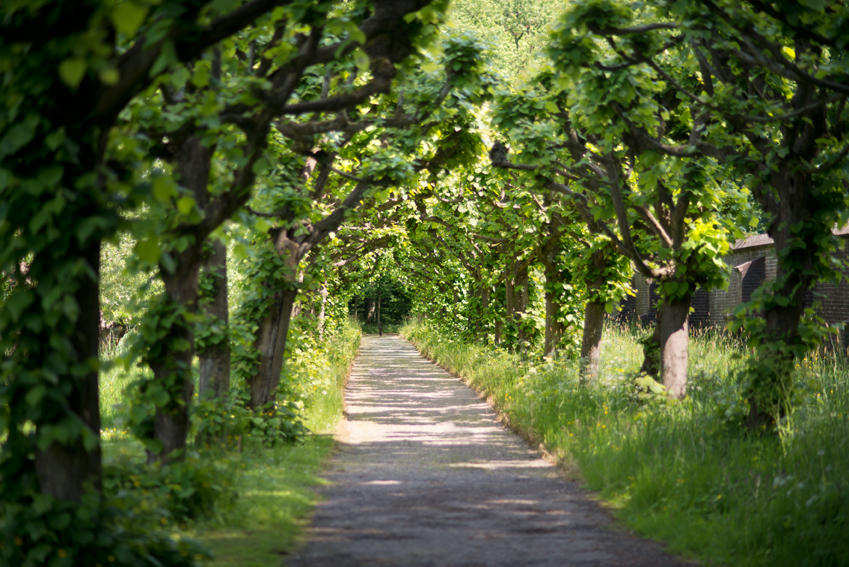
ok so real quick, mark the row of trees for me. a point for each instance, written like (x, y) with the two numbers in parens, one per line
(320, 136)
(165, 122)
(650, 140)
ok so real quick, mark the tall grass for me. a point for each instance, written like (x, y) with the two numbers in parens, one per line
(274, 484)
(685, 472)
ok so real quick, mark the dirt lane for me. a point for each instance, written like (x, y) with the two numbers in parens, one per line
(426, 476)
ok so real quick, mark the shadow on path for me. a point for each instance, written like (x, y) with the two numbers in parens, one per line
(424, 475)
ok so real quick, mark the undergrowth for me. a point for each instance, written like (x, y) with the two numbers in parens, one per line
(245, 499)
(684, 472)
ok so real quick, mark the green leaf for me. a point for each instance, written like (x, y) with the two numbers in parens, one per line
(17, 302)
(19, 135)
(180, 77)
(163, 189)
(72, 71)
(35, 395)
(148, 251)
(110, 76)
(551, 107)
(361, 60)
(128, 17)
(202, 73)
(185, 205)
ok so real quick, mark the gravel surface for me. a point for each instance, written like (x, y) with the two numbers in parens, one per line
(425, 475)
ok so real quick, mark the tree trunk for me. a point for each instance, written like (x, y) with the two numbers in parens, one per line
(321, 314)
(674, 346)
(370, 305)
(214, 381)
(379, 322)
(797, 258)
(173, 366)
(274, 329)
(651, 350)
(521, 294)
(271, 343)
(64, 470)
(591, 341)
(593, 315)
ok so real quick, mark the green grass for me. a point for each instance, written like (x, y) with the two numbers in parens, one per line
(686, 472)
(275, 499)
(274, 485)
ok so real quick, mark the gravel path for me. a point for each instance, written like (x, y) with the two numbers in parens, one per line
(425, 475)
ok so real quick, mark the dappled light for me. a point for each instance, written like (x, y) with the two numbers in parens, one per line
(424, 474)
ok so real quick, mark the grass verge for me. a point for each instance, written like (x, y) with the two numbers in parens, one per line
(686, 473)
(273, 485)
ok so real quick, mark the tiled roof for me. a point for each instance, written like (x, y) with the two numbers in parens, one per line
(758, 240)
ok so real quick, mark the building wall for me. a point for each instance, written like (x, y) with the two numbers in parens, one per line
(751, 266)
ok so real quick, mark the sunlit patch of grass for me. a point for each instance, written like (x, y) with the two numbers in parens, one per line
(685, 472)
(275, 498)
(274, 484)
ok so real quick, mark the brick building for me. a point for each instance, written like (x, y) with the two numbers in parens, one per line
(752, 261)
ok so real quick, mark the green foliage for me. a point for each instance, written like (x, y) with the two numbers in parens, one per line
(180, 492)
(121, 530)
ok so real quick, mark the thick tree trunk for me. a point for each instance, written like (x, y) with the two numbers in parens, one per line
(370, 306)
(64, 470)
(674, 346)
(173, 367)
(593, 316)
(271, 343)
(797, 254)
(553, 327)
(214, 381)
(274, 329)
(591, 341)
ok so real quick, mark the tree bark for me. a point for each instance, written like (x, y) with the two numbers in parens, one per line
(214, 380)
(520, 303)
(63, 471)
(274, 329)
(174, 365)
(321, 314)
(271, 343)
(379, 322)
(674, 346)
(484, 308)
(651, 350)
(594, 313)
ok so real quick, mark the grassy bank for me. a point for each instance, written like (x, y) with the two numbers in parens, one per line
(269, 488)
(685, 473)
